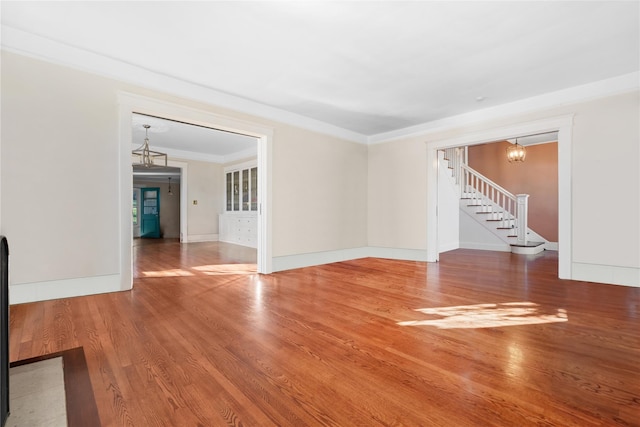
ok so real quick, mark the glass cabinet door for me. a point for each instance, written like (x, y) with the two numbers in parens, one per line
(236, 191)
(254, 189)
(241, 190)
(245, 189)
(229, 191)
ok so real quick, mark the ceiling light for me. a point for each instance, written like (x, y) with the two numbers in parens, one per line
(170, 193)
(516, 153)
(146, 157)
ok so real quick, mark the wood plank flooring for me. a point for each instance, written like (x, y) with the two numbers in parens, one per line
(480, 338)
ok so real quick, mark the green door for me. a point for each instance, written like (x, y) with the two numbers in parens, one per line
(150, 218)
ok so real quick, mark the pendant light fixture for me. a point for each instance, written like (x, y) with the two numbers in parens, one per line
(145, 156)
(516, 153)
(170, 193)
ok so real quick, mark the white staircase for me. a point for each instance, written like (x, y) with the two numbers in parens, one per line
(503, 214)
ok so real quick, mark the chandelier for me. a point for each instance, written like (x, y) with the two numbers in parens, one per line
(146, 157)
(516, 153)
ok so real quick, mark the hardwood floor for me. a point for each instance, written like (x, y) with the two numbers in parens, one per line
(199, 344)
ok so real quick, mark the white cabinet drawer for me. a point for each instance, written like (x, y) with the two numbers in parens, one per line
(241, 229)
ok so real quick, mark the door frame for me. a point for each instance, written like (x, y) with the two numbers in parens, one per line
(128, 104)
(184, 170)
(563, 125)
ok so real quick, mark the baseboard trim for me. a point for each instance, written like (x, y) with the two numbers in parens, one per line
(396, 253)
(449, 247)
(67, 288)
(291, 262)
(551, 246)
(318, 258)
(193, 238)
(505, 247)
(609, 274)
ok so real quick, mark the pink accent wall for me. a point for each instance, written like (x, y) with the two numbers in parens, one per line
(536, 176)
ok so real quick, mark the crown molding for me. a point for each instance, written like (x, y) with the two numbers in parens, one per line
(608, 87)
(27, 44)
(37, 47)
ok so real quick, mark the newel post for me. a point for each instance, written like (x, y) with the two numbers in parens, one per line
(522, 202)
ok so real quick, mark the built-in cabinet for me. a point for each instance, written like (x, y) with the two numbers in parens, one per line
(240, 229)
(238, 224)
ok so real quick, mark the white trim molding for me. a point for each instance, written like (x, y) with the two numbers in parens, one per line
(130, 103)
(609, 274)
(397, 253)
(291, 262)
(29, 44)
(67, 288)
(561, 124)
(551, 246)
(203, 238)
(603, 88)
(498, 247)
(32, 45)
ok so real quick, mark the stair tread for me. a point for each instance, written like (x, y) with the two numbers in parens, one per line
(494, 219)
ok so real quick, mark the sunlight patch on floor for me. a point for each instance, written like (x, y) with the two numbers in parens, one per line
(167, 273)
(209, 270)
(223, 269)
(487, 316)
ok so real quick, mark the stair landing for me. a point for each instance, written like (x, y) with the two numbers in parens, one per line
(529, 248)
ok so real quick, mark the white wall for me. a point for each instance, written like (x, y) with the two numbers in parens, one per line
(397, 201)
(206, 187)
(605, 162)
(61, 194)
(319, 193)
(61, 210)
(59, 174)
(474, 236)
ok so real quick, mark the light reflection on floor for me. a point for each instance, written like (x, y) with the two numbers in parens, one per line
(227, 269)
(488, 316)
(209, 270)
(167, 273)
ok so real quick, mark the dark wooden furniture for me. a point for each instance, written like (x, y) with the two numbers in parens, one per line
(4, 330)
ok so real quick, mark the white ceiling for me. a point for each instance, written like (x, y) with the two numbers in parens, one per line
(187, 141)
(366, 67)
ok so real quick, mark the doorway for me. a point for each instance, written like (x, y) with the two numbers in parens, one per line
(133, 104)
(562, 125)
(149, 212)
(210, 153)
(167, 180)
